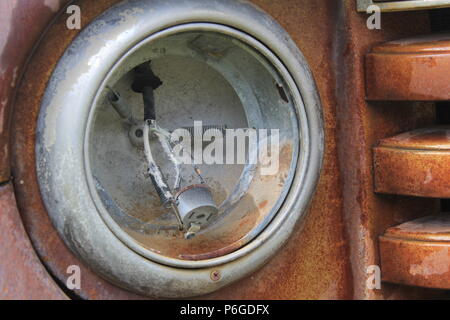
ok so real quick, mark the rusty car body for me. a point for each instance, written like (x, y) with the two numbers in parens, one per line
(380, 199)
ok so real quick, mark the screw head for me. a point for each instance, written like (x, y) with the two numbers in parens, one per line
(215, 275)
(139, 133)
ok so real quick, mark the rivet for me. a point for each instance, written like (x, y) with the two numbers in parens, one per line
(215, 275)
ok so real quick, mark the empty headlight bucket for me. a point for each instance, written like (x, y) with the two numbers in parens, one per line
(231, 77)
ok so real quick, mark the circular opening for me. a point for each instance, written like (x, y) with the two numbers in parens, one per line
(212, 82)
(139, 133)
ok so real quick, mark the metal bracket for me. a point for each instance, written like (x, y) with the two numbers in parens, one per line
(402, 5)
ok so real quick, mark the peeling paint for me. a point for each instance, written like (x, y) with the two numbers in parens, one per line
(437, 263)
(429, 177)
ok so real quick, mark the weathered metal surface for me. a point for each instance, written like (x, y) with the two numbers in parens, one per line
(417, 253)
(352, 127)
(411, 69)
(360, 125)
(301, 280)
(433, 228)
(402, 5)
(21, 23)
(68, 144)
(327, 256)
(415, 163)
(52, 251)
(22, 275)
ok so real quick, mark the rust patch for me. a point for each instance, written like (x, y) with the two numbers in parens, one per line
(435, 264)
(21, 24)
(263, 204)
(51, 249)
(411, 69)
(228, 234)
(327, 255)
(414, 163)
(315, 256)
(429, 138)
(415, 263)
(431, 228)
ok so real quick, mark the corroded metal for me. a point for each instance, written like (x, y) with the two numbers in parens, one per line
(402, 5)
(52, 251)
(417, 253)
(328, 254)
(22, 275)
(360, 125)
(21, 23)
(415, 163)
(57, 255)
(413, 69)
(68, 146)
